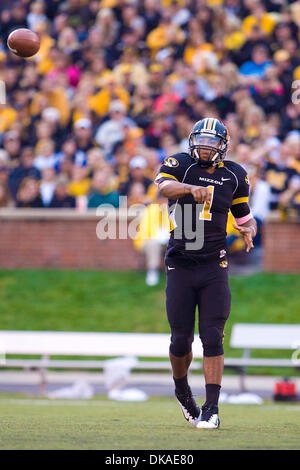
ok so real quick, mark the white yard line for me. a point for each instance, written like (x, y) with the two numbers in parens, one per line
(98, 403)
(21, 401)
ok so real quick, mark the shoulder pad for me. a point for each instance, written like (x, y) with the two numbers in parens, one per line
(177, 159)
(234, 166)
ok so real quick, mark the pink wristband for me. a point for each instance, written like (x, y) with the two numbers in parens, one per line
(243, 220)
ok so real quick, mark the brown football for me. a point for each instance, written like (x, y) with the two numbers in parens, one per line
(23, 42)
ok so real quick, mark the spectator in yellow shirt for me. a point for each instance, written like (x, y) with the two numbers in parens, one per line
(167, 33)
(42, 58)
(80, 184)
(7, 117)
(259, 17)
(152, 236)
(196, 43)
(52, 97)
(101, 101)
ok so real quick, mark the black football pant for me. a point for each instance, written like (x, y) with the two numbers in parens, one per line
(206, 286)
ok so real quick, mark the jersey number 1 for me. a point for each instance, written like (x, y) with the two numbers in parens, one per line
(205, 214)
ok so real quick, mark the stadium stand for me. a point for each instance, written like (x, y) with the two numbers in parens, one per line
(115, 80)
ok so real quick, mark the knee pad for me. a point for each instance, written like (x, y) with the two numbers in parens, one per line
(212, 341)
(181, 343)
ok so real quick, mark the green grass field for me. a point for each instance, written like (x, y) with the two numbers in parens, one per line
(120, 301)
(155, 424)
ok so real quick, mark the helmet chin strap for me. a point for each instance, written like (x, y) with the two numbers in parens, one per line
(206, 163)
(215, 157)
(197, 154)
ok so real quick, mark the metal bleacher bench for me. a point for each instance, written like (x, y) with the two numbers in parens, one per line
(48, 344)
(249, 336)
(147, 347)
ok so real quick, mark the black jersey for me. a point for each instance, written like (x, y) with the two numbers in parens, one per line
(229, 187)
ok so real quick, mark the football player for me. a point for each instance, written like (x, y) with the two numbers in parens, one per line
(201, 188)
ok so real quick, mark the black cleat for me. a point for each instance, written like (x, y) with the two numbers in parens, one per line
(189, 407)
(209, 418)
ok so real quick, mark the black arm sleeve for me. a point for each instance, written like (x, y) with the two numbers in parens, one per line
(240, 202)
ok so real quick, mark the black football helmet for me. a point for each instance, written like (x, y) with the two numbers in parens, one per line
(209, 136)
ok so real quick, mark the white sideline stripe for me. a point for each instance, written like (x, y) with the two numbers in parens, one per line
(285, 408)
(16, 401)
(98, 403)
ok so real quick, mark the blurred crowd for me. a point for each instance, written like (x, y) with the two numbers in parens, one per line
(118, 85)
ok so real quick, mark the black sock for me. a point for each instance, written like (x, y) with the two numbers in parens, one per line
(181, 385)
(212, 394)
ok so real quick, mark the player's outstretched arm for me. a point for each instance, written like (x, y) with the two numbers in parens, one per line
(248, 230)
(176, 190)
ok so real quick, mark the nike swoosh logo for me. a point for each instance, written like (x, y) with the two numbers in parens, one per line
(169, 269)
(225, 179)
